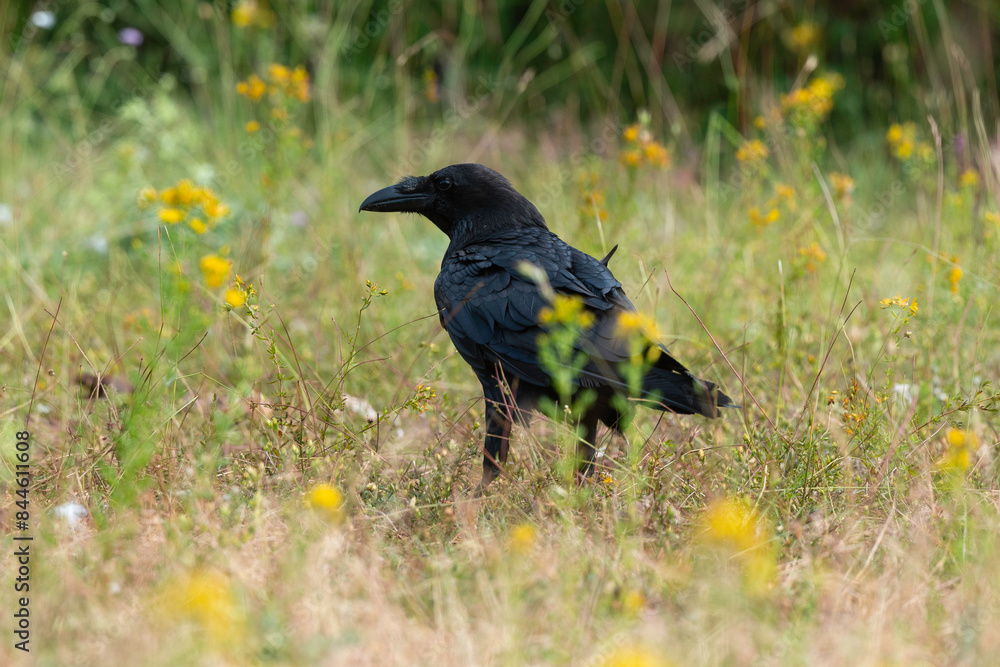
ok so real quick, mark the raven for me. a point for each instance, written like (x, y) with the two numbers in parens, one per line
(491, 306)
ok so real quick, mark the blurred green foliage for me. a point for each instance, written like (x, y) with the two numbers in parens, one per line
(585, 59)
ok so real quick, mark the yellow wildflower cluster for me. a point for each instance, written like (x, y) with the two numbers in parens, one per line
(326, 500)
(899, 302)
(239, 293)
(281, 83)
(522, 538)
(422, 398)
(752, 153)
(631, 323)
(843, 186)
(633, 656)
(252, 14)
(811, 104)
(811, 256)
(641, 149)
(591, 197)
(199, 206)
(763, 220)
(969, 179)
(954, 275)
(642, 335)
(803, 37)
(566, 311)
(632, 602)
(961, 447)
(905, 145)
(734, 527)
(215, 269)
(992, 217)
(768, 214)
(204, 597)
(785, 193)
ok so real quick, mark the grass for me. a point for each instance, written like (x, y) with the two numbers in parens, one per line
(288, 480)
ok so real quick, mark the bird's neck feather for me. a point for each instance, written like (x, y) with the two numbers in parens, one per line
(485, 224)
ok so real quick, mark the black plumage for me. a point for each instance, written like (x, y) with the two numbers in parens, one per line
(490, 307)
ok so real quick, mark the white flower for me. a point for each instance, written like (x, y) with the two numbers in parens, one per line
(43, 20)
(70, 512)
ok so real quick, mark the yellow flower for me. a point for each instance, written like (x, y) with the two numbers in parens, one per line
(731, 522)
(235, 297)
(633, 656)
(279, 113)
(759, 123)
(814, 102)
(802, 37)
(902, 141)
(204, 596)
(732, 525)
(278, 73)
(752, 152)
(631, 323)
(325, 499)
(961, 447)
(566, 311)
(843, 185)
(215, 270)
(171, 215)
(631, 133)
(591, 202)
(146, 197)
(632, 158)
(895, 133)
(969, 179)
(198, 225)
(300, 83)
(656, 155)
(522, 538)
(812, 255)
(213, 208)
(954, 277)
(243, 14)
(253, 88)
(784, 191)
(251, 126)
(632, 602)
(759, 220)
(186, 192)
(169, 196)
(248, 13)
(925, 151)
(909, 304)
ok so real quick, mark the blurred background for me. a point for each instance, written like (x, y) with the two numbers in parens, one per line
(545, 65)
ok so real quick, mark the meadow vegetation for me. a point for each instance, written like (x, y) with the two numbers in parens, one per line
(252, 442)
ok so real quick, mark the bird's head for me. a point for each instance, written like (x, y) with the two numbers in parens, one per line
(464, 200)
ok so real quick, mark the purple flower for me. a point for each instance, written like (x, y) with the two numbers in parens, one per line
(130, 36)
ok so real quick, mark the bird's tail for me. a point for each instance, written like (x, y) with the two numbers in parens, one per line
(669, 386)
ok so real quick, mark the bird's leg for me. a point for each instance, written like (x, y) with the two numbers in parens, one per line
(586, 446)
(498, 425)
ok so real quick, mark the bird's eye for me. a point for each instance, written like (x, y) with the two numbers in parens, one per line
(444, 184)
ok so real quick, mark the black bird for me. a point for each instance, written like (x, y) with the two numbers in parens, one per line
(490, 308)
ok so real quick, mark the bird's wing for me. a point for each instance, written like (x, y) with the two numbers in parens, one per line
(490, 308)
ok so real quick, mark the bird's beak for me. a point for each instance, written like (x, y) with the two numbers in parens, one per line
(392, 199)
